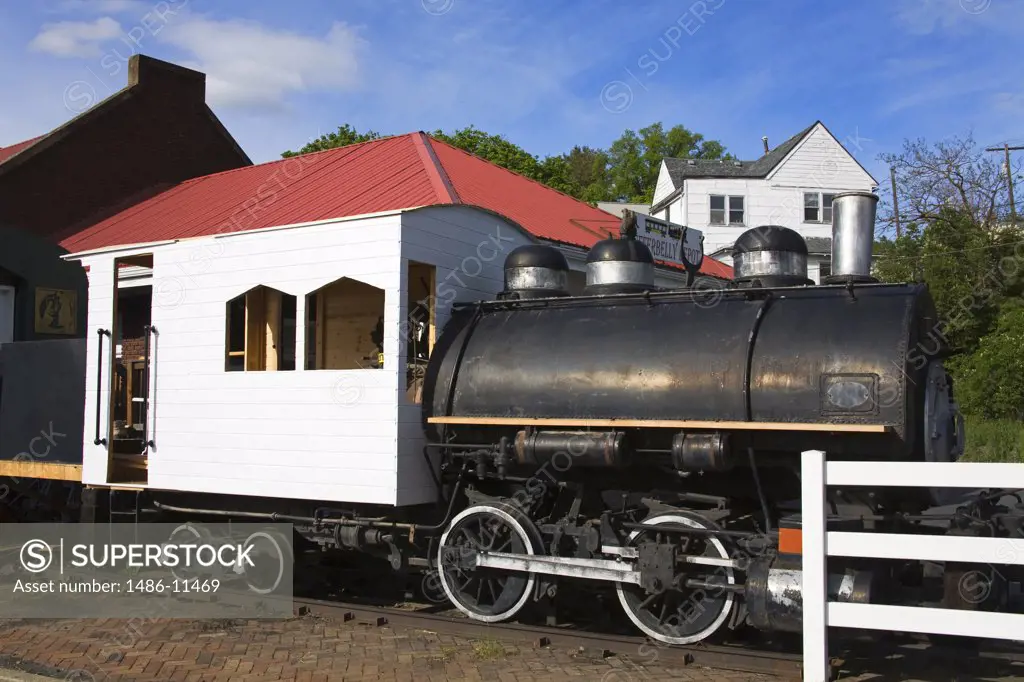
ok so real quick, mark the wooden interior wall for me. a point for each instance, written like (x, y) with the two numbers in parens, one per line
(347, 314)
(255, 330)
(263, 308)
(272, 327)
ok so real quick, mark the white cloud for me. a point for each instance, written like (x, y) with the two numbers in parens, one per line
(76, 38)
(248, 64)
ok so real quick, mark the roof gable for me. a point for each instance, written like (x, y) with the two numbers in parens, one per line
(831, 163)
(144, 72)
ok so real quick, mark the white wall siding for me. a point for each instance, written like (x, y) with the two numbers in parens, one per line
(334, 430)
(820, 162)
(664, 186)
(468, 247)
(762, 206)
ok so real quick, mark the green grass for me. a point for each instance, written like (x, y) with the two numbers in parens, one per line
(488, 650)
(994, 440)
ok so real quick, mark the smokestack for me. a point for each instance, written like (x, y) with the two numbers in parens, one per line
(853, 237)
(764, 139)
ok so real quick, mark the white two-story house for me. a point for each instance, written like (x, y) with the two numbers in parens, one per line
(791, 185)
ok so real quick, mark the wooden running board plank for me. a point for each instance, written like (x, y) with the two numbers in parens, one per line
(53, 471)
(660, 424)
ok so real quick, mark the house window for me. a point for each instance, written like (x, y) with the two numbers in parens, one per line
(824, 270)
(719, 214)
(261, 331)
(818, 207)
(345, 326)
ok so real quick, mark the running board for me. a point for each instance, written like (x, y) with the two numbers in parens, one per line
(568, 567)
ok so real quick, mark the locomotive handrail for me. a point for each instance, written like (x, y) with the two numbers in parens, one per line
(818, 544)
(147, 404)
(661, 423)
(498, 304)
(100, 333)
(751, 340)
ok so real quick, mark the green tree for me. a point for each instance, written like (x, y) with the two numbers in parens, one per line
(345, 136)
(588, 173)
(990, 382)
(495, 148)
(636, 157)
(970, 270)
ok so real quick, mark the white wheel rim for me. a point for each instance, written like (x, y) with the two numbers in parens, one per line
(523, 535)
(730, 578)
(280, 568)
(198, 536)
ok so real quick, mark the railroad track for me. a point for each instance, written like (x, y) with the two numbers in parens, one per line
(711, 656)
(853, 654)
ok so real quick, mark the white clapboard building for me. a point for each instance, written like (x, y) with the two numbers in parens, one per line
(791, 185)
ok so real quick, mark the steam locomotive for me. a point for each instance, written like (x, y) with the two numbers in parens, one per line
(648, 441)
(666, 426)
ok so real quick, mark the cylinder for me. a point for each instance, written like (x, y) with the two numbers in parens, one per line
(535, 271)
(617, 266)
(571, 448)
(701, 452)
(774, 592)
(853, 236)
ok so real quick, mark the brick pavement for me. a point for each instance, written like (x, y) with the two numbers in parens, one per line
(307, 649)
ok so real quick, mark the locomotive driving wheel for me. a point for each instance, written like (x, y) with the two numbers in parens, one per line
(677, 613)
(486, 594)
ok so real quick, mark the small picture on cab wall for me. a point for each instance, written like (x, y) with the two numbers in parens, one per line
(56, 311)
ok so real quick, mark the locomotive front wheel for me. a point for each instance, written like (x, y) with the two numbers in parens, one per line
(678, 614)
(486, 594)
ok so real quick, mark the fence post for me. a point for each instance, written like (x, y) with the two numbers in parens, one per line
(814, 556)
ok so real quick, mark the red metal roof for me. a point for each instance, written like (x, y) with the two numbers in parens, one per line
(388, 174)
(8, 152)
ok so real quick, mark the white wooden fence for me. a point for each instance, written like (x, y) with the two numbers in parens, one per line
(819, 613)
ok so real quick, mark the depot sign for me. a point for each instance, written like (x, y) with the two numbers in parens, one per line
(672, 243)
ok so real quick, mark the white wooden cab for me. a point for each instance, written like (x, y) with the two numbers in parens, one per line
(218, 421)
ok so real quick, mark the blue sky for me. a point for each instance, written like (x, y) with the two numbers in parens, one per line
(546, 74)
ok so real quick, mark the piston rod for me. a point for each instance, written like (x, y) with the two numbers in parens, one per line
(570, 567)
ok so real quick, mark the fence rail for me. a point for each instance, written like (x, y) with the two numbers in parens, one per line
(818, 545)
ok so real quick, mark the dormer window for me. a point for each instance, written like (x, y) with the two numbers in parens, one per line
(720, 214)
(818, 207)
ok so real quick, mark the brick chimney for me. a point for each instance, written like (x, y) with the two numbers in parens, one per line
(153, 73)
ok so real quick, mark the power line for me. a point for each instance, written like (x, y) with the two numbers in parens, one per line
(922, 256)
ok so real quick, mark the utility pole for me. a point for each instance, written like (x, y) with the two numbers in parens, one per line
(1006, 149)
(895, 201)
